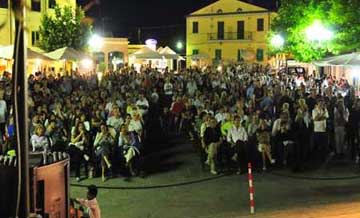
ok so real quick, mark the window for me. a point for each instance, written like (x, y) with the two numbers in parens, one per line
(195, 51)
(217, 54)
(195, 27)
(260, 24)
(240, 55)
(4, 4)
(52, 3)
(219, 11)
(116, 60)
(99, 57)
(220, 33)
(260, 54)
(239, 10)
(35, 5)
(35, 37)
(241, 29)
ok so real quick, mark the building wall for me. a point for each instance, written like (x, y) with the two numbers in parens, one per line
(33, 20)
(206, 41)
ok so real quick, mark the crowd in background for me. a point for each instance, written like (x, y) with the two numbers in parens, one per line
(245, 113)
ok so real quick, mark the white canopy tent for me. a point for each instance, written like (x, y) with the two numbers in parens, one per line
(146, 53)
(352, 60)
(67, 53)
(168, 53)
(7, 52)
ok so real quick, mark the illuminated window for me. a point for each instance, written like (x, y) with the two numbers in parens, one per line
(35, 37)
(4, 4)
(195, 27)
(52, 3)
(260, 24)
(35, 5)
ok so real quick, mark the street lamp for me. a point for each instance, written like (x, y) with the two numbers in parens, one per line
(317, 32)
(96, 42)
(277, 41)
(179, 45)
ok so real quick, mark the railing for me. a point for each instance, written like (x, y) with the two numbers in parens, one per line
(229, 36)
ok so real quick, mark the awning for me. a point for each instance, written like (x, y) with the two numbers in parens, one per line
(352, 59)
(6, 52)
(67, 53)
(146, 53)
(168, 53)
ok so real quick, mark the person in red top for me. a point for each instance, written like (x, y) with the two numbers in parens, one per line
(176, 109)
(91, 204)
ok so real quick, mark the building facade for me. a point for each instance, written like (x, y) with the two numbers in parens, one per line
(113, 54)
(228, 31)
(37, 8)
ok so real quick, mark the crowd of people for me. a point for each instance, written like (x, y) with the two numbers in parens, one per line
(244, 114)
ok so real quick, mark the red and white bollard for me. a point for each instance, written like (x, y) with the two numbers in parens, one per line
(251, 190)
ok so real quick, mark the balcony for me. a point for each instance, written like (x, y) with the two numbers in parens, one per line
(229, 36)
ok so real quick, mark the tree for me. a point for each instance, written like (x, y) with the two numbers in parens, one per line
(340, 16)
(64, 29)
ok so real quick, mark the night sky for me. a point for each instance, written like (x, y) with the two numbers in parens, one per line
(163, 20)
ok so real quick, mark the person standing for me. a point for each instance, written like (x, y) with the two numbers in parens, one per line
(341, 117)
(320, 115)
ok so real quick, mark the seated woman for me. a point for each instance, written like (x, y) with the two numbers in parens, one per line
(102, 146)
(39, 142)
(129, 144)
(79, 148)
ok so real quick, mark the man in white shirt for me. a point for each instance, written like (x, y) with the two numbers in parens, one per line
(143, 104)
(115, 121)
(320, 115)
(237, 137)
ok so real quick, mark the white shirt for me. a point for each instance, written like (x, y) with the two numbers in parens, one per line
(237, 134)
(168, 88)
(220, 117)
(135, 125)
(142, 103)
(115, 122)
(3, 110)
(320, 126)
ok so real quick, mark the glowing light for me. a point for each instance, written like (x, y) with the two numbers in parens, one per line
(96, 42)
(219, 68)
(277, 41)
(151, 43)
(87, 63)
(38, 62)
(317, 32)
(179, 45)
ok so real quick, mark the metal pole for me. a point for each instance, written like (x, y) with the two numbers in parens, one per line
(20, 108)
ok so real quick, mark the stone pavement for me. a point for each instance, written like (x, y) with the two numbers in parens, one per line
(224, 196)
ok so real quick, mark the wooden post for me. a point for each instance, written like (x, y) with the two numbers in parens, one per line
(20, 109)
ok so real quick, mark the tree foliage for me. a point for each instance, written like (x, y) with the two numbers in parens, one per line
(64, 29)
(342, 17)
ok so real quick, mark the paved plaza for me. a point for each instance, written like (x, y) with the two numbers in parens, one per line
(193, 192)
